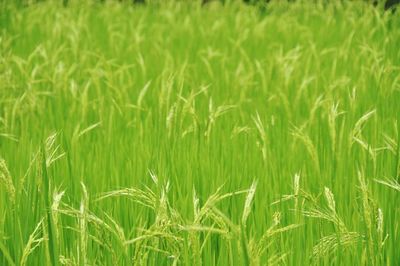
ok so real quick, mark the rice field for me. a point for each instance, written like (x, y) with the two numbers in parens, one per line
(176, 133)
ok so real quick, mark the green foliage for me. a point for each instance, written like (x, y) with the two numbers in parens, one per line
(176, 133)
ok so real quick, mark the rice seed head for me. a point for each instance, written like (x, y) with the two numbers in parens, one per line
(356, 133)
(262, 142)
(88, 129)
(33, 242)
(248, 202)
(392, 183)
(309, 145)
(196, 202)
(332, 116)
(142, 94)
(83, 219)
(367, 211)
(170, 118)
(296, 184)
(379, 227)
(153, 177)
(276, 219)
(53, 151)
(330, 200)
(55, 209)
(329, 244)
(379, 221)
(296, 190)
(6, 179)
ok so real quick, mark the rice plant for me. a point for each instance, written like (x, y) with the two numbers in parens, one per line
(199, 133)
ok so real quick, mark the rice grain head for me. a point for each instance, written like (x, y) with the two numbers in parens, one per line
(34, 241)
(6, 179)
(248, 202)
